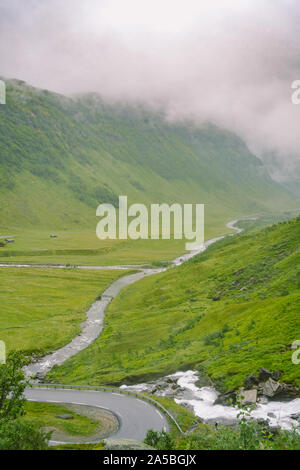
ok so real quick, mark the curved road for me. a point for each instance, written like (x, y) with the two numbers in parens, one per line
(135, 415)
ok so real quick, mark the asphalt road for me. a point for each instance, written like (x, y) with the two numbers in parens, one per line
(135, 416)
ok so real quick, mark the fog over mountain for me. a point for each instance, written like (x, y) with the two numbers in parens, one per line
(229, 62)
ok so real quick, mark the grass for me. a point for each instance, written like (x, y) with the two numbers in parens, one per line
(42, 309)
(44, 415)
(84, 248)
(227, 313)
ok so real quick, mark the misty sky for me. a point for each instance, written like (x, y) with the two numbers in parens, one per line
(230, 62)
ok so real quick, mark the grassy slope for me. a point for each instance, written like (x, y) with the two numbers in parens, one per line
(227, 312)
(60, 158)
(41, 309)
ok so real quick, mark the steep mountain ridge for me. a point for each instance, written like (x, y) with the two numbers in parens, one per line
(60, 157)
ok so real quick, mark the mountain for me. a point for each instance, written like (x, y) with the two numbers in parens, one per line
(60, 157)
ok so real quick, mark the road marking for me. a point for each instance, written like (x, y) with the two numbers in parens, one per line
(144, 403)
(159, 414)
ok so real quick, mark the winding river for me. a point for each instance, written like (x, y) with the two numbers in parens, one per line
(200, 399)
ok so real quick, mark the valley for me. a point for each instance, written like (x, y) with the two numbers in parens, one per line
(97, 313)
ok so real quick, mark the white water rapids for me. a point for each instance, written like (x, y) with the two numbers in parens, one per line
(202, 401)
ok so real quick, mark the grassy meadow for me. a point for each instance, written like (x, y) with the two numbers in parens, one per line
(84, 248)
(227, 312)
(42, 309)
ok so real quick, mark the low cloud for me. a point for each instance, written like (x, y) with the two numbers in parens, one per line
(230, 62)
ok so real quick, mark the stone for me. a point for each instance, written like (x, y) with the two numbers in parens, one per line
(296, 416)
(263, 400)
(203, 382)
(248, 397)
(270, 388)
(226, 398)
(272, 415)
(250, 381)
(264, 374)
(65, 416)
(288, 391)
(40, 376)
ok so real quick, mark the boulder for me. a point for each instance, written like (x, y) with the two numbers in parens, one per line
(40, 376)
(264, 374)
(250, 381)
(270, 388)
(296, 416)
(288, 391)
(65, 416)
(248, 397)
(226, 398)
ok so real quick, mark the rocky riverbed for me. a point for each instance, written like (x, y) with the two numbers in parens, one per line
(197, 393)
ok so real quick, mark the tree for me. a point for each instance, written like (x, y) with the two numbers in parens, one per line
(15, 432)
(12, 386)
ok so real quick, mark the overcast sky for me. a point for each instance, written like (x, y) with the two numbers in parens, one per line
(231, 62)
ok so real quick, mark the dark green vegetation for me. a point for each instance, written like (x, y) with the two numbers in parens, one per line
(61, 157)
(42, 309)
(227, 312)
(15, 433)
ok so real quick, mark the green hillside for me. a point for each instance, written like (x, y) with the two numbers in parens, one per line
(60, 157)
(227, 312)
